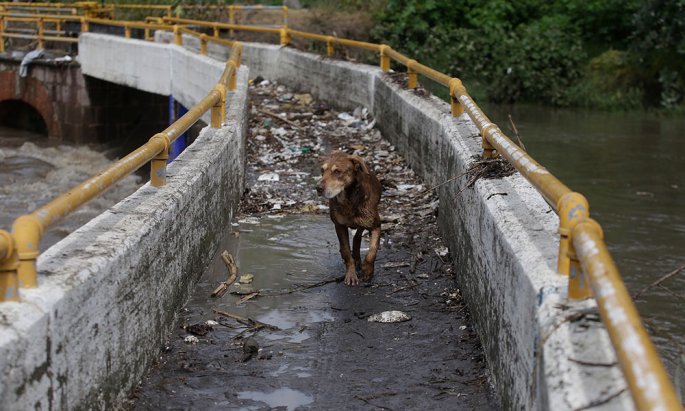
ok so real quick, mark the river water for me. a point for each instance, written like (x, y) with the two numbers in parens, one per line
(631, 168)
(34, 170)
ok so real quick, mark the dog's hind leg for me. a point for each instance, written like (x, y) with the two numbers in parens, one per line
(356, 245)
(344, 240)
(369, 261)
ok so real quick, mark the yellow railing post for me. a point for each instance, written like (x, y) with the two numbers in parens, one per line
(573, 208)
(234, 75)
(27, 231)
(329, 46)
(9, 262)
(285, 36)
(2, 37)
(489, 150)
(231, 19)
(218, 114)
(158, 163)
(84, 25)
(216, 31)
(412, 77)
(127, 31)
(168, 11)
(203, 44)
(456, 89)
(178, 36)
(41, 29)
(385, 59)
(147, 34)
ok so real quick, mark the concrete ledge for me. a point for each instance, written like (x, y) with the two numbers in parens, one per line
(504, 248)
(109, 292)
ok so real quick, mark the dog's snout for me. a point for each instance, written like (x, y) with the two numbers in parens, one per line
(319, 187)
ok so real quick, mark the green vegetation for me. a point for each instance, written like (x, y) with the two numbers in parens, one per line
(611, 54)
(608, 54)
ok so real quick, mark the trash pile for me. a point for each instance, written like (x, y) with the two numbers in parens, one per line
(291, 133)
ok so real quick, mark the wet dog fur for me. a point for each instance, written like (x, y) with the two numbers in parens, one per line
(354, 193)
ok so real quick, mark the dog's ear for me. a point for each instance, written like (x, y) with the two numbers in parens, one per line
(359, 164)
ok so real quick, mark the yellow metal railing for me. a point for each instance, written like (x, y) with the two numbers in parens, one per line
(19, 249)
(583, 256)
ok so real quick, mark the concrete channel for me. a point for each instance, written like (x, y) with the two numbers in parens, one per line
(110, 292)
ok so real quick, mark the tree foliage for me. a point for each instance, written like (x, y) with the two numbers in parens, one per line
(609, 53)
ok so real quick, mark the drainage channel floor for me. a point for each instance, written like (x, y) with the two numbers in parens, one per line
(321, 351)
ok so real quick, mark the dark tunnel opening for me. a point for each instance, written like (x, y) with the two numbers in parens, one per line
(21, 115)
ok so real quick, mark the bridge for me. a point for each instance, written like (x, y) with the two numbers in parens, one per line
(526, 273)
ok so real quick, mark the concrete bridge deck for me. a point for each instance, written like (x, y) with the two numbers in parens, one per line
(136, 264)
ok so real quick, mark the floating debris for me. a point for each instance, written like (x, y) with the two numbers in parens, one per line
(389, 317)
(191, 339)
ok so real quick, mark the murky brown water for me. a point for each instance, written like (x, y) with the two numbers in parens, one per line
(631, 168)
(34, 170)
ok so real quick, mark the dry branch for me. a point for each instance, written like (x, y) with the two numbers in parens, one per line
(232, 275)
(246, 321)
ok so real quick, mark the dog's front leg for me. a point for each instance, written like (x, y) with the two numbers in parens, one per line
(344, 240)
(356, 246)
(369, 261)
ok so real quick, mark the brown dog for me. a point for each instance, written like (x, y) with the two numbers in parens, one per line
(354, 193)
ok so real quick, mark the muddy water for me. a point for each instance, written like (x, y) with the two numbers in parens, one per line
(34, 170)
(325, 355)
(631, 167)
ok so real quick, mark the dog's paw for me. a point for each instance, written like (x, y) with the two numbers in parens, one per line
(351, 279)
(367, 271)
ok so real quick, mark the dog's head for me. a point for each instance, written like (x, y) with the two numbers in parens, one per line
(339, 171)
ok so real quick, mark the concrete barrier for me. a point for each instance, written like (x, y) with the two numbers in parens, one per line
(108, 293)
(542, 351)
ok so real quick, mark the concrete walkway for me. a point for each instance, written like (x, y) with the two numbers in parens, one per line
(325, 354)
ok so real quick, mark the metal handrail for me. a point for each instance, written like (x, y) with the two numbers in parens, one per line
(19, 249)
(582, 252)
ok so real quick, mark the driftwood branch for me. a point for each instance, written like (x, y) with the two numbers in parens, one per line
(232, 275)
(516, 133)
(277, 117)
(269, 293)
(659, 281)
(246, 321)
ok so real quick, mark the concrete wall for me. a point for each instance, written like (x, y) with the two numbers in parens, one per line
(108, 293)
(504, 247)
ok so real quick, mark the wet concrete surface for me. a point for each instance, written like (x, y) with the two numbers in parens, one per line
(324, 354)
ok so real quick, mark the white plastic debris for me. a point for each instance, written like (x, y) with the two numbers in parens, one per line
(269, 177)
(211, 323)
(249, 220)
(389, 317)
(346, 117)
(191, 339)
(279, 131)
(462, 327)
(442, 251)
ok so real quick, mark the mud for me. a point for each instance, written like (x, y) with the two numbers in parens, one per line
(318, 349)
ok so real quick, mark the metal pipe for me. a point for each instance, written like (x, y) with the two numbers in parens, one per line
(647, 379)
